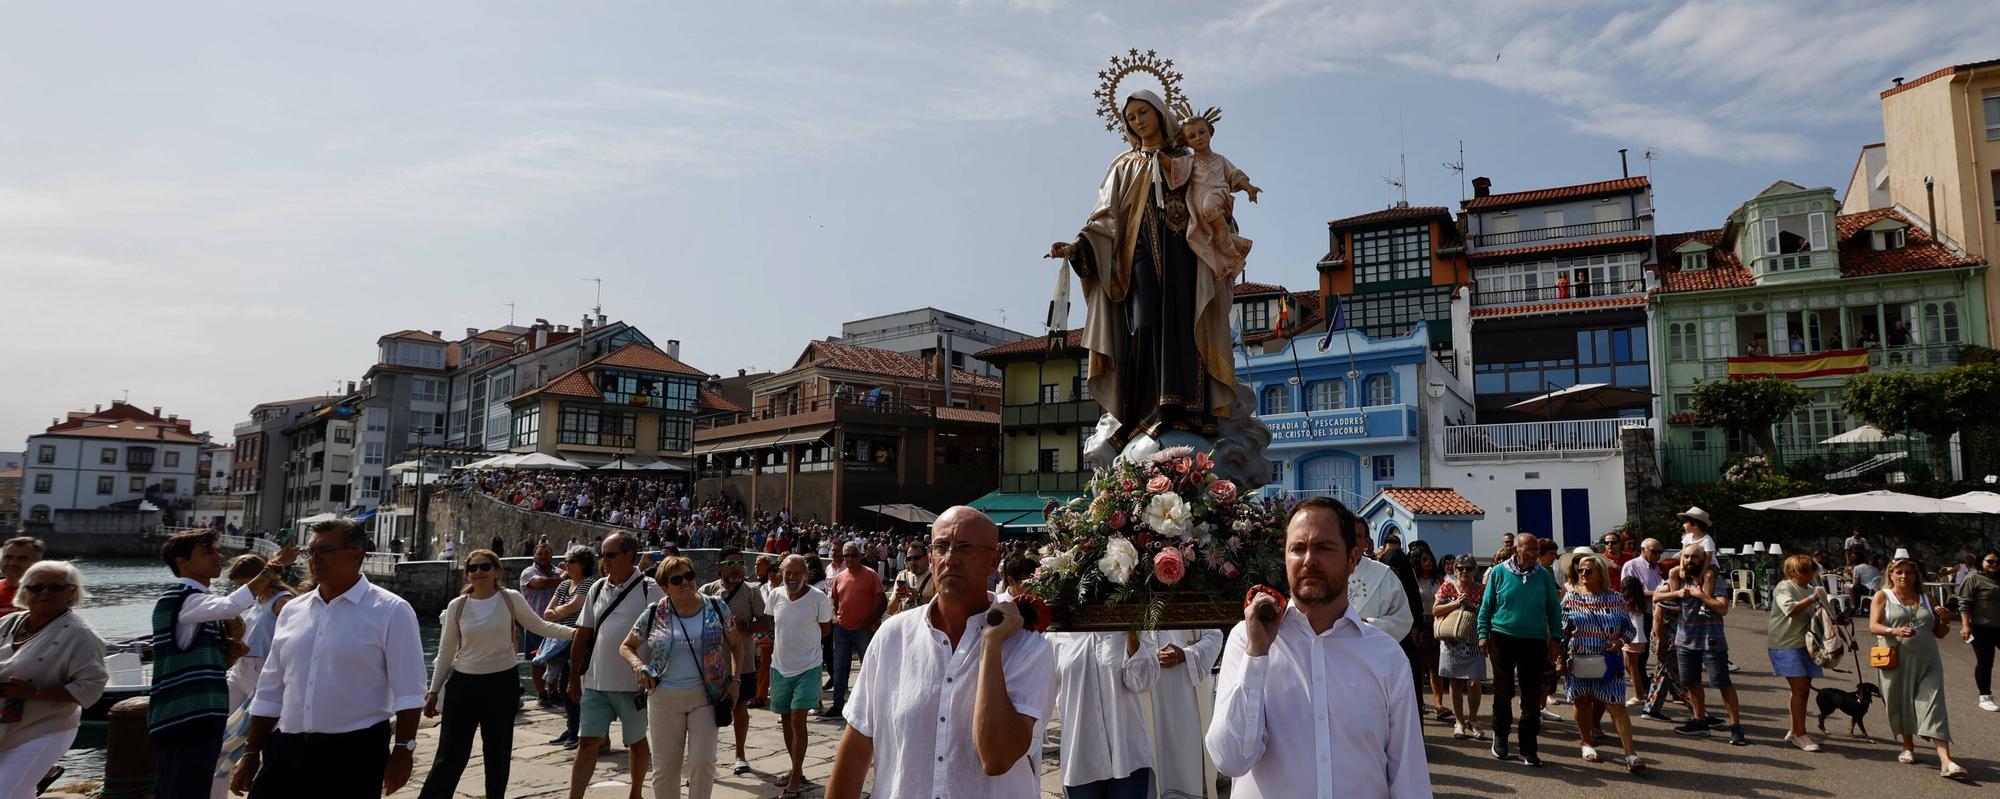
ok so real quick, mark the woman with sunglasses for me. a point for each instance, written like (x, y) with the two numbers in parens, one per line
(51, 668)
(1459, 662)
(1793, 601)
(683, 652)
(1901, 617)
(1597, 623)
(477, 661)
(579, 574)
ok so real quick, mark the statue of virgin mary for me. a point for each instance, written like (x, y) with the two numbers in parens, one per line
(1158, 319)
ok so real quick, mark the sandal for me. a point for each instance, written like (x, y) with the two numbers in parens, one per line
(1634, 765)
(1590, 754)
(1953, 771)
(1907, 758)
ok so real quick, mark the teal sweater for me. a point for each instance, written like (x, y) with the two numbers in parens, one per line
(1530, 608)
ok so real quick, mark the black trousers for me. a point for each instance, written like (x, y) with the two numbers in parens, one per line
(1984, 641)
(482, 703)
(185, 757)
(345, 765)
(1517, 668)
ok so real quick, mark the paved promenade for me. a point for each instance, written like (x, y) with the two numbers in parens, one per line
(1678, 766)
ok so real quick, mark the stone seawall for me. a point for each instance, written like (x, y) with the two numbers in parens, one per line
(474, 518)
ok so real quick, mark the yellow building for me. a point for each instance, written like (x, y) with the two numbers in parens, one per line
(1940, 150)
(1046, 414)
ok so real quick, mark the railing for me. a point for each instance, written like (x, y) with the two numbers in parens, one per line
(1884, 462)
(1345, 496)
(264, 547)
(232, 542)
(1535, 439)
(1569, 292)
(1042, 481)
(779, 409)
(380, 564)
(1799, 260)
(1076, 412)
(1559, 232)
(1936, 355)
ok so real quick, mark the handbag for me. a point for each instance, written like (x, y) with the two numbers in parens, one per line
(1587, 667)
(1456, 627)
(1882, 657)
(724, 714)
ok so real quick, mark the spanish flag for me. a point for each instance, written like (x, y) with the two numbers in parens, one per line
(1284, 311)
(1798, 367)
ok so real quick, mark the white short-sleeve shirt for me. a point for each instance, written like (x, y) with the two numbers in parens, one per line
(915, 698)
(795, 630)
(608, 671)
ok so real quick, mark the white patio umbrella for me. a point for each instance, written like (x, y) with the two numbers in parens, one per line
(1865, 434)
(540, 460)
(620, 466)
(903, 511)
(1586, 398)
(662, 466)
(1886, 502)
(501, 461)
(1788, 503)
(1985, 501)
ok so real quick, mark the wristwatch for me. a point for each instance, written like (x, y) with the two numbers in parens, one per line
(409, 745)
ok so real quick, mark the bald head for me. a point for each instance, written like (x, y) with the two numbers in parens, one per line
(968, 524)
(969, 542)
(1650, 549)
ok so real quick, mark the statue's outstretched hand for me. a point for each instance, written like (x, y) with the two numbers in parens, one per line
(1253, 191)
(1061, 250)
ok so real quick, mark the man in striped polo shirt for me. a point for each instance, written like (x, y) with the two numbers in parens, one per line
(190, 699)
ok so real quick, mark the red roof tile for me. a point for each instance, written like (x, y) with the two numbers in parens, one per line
(1433, 502)
(1253, 289)
(1919, 252)
(1950, 70)
(711, 400)
(1724, 270)
(573, 383)
(130, 432)
(1619, 186)
(1391, 214)
(415, 335)
(950, 414)
(1072, 341)
(1609, 241)
(869, 360)
(649, 358)
(1559, 306)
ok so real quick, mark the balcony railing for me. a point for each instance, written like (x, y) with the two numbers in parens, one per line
(780, 408)
(1535, 439)
(1042, 481)
(1939, 355)
(1079, 412)
(380, 564)
(1558, 232)
(1569, 292)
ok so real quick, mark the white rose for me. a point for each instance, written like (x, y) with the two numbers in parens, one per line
(1168, 514)
(1119, 558)
(1060, 563)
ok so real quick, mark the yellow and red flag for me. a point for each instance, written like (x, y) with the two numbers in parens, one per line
(1799, 367)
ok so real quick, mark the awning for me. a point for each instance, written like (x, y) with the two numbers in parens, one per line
(753, 442)
(903, 511)
(1033, 518)
(807, 434)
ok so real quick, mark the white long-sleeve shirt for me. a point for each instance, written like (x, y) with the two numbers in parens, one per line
(480, 640)
(1104, 732)
(1319, 715)
(343, 665)
(1375, 593)
(204, 607)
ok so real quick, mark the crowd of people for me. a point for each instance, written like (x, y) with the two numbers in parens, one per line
(258, 686)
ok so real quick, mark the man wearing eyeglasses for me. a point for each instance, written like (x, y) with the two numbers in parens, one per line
(191, 698)
(345, 659)
(858, 605)
(746, 605)
(609, 689)
(989, 685)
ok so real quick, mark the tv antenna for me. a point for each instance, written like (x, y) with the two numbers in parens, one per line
(598, 309)
(1399, 186)
(1458, 166)
(1650, 156)
(510, 312)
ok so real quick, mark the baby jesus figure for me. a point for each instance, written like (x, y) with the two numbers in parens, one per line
(1212, 184)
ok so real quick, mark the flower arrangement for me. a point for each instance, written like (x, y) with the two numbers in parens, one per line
(1159, 533)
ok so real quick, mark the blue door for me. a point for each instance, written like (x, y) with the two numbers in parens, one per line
(1576, 517)
(1533, 510)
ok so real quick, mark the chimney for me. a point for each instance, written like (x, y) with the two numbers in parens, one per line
(471, 331)
(742, 372)
(1624, 167)
(541, 334)
(944, 364)
(437, 334)
(350, 386)
(156, 410)
(539, 322)
(1930, 197)
(562, 328)
(674, 348)
(100, 408)
(1482, 186)
(1898, 81)
(586, 323)
(602, 319)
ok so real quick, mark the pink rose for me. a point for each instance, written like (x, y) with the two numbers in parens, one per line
(1224, 491)
(1131, 486)
(1118, 520)
(1229, 571)
(1160, 485)
(1169, 567)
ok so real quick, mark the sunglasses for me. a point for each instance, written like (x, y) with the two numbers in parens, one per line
(481, 566)
(682, 577)
(37, 588)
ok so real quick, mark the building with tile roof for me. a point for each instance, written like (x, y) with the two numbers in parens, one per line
(847, 426)
(1789, 287)
(1560, 294)
(1387, 270)
(1046, 413)
(117, 460)
(637, 403)
(1441, 517)
(259, 460)
(1939, 160)
(921, 333)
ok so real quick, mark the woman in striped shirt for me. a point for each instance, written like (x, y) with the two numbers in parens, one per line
(1597, 623)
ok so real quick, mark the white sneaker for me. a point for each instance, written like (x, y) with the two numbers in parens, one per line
(1633, 702)
(1986, 704)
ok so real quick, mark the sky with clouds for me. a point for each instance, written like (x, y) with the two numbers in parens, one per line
(212, 205)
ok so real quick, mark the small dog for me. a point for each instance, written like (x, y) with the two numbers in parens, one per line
(1854, 703)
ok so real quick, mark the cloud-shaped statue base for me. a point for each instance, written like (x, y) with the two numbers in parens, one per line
(1238, 450)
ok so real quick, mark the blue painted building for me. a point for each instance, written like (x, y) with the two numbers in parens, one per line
(1345, 421)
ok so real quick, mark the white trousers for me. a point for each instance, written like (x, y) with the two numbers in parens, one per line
(681, 730)
(26, 763)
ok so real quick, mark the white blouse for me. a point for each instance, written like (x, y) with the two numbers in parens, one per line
(1104, 730)
(482, 641)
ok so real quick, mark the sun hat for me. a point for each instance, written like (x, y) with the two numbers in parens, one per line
(1698, 516)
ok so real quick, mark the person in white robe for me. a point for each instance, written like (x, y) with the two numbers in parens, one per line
(1378, 597)
(1182, 704)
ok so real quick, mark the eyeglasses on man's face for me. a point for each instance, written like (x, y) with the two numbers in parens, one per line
(961, 549)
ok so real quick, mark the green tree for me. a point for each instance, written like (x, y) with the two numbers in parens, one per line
(1937, 404)
(1749, 407)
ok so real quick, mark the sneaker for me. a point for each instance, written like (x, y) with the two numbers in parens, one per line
(1804, 742)
(742, 767)
(1655, 714)
(1733, 668)
(1551, 715)
(1633, 702)
(1713, 722)
(1736, 736)
(1458, 731)
(1531, 761)
(569, 744)
(1634, 765)
(1693, 728)
(1986, 704)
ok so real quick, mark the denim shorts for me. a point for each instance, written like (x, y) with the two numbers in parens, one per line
(600, 707)
(1715, 661)
(1794, 663)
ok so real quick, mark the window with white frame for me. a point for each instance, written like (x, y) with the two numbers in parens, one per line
(1381, 390)
(1277, 399)
(45, 454)
(371, 488)
(1698, 441)
(1256, 315)
(372, 452)
(1941, 323)
(1716, 339)
(376, 421)
(1326, 395)
(1694, 261)
(1385, 468)
(1887, 239)
(425, 389)
(341, 435)
(1683, 341)
(676, 435)
(1992, 106)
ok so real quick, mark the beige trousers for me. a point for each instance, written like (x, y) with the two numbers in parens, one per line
(681, 729)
